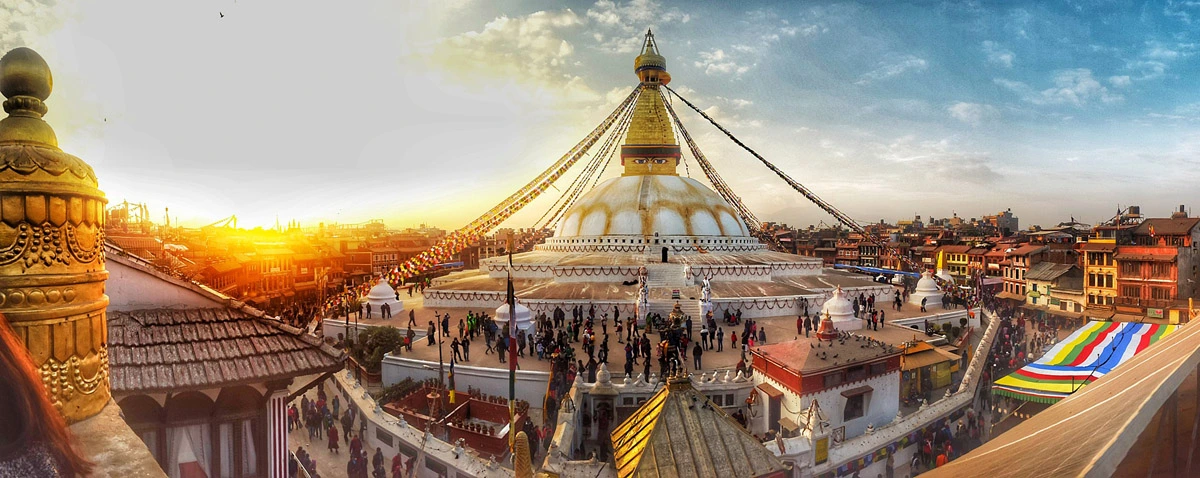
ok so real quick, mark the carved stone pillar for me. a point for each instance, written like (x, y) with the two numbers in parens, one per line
(51, 245)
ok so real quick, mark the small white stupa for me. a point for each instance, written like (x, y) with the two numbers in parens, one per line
(898, 279)
(841, 311)
(927, 287)
(524, 317)
(383, 293)
(942, 274)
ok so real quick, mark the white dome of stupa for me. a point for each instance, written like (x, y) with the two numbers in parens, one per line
(927, 288)
(643, 205)
(927, 283)
(524, 317)
(841, 311)
(383, 293)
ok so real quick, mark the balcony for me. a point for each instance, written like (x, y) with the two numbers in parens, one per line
(1140, 302)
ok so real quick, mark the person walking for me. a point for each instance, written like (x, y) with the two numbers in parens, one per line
(924, 300)
(720, 339)
(696, 352)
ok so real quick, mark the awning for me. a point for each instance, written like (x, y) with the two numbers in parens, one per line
(770, 390)
(857, 391)
(1099, 314)
(1086, 355)
(923, 359)
(1065, 313)
(788, 425)
(1009, 295)
(1128, 318)
(1145, 257)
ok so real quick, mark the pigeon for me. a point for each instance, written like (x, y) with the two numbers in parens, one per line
(222, 14)
(835, 355)
(811, 346)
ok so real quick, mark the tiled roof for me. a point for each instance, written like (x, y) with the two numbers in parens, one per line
(1047, 271)
(192, 349)
(1167, 226)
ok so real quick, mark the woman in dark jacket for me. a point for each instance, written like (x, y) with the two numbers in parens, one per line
(36, 442)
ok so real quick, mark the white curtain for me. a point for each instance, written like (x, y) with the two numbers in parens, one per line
(226, 437)
(197, 439)
(249, 450)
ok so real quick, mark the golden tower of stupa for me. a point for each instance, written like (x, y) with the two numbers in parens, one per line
(51, 245)
(650, 146)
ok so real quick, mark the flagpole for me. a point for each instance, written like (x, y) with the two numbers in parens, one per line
(512, 351)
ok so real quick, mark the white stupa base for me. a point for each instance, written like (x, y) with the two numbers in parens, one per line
(934, 298)
(847, 323)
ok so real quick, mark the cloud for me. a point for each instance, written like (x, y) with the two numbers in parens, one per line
(972, 113)
(26, 22)
(894, 67)
(615, 22)
(530, 48)
(998, 55)
(1075, 87)
(1122, 81)
(717, 62)
(939, 160)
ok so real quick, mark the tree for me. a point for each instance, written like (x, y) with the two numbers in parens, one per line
(373, 343)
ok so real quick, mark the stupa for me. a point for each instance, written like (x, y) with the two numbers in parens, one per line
(383, 293)
(839, 309)
(650, 226)
(927, 287)
(524, 317)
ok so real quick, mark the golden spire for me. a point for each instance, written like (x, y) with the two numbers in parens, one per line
(650, 146)
(51, 245)
(522, 463)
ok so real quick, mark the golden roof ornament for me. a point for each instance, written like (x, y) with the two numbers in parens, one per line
(51, 245)
(522, 462)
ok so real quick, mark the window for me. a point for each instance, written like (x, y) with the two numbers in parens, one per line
(854, 407)
(1131, 291)
(878, 368)
(856, 373)
(1161, 270)
(1129, 268)
(1108, 281)
(833, 379)
(1160, 293)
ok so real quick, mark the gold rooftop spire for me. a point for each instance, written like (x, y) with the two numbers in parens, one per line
(650, 146)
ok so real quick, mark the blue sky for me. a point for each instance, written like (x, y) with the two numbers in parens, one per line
(433, 111)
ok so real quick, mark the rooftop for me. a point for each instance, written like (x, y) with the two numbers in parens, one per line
(678, 432)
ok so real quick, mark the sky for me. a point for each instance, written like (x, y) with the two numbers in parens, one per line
(432, 112)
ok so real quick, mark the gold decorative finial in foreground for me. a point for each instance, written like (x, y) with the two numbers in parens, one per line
(26, 81)
(52, 271)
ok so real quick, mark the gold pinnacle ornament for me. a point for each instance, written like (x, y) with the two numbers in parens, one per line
(522, 463)
(51, 245)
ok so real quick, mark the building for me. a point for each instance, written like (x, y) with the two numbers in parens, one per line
(1017, 262)
(856, 385)
(1056, 289)
(1004, 222)
(197, 374)
(956, 260)
(1100, 275)
(1157, 272)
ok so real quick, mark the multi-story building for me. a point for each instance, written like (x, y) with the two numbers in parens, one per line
(868, 254)
(1099, 274)
(1157, 272)
(1016, 266)
(847, 252)
(955, 260)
